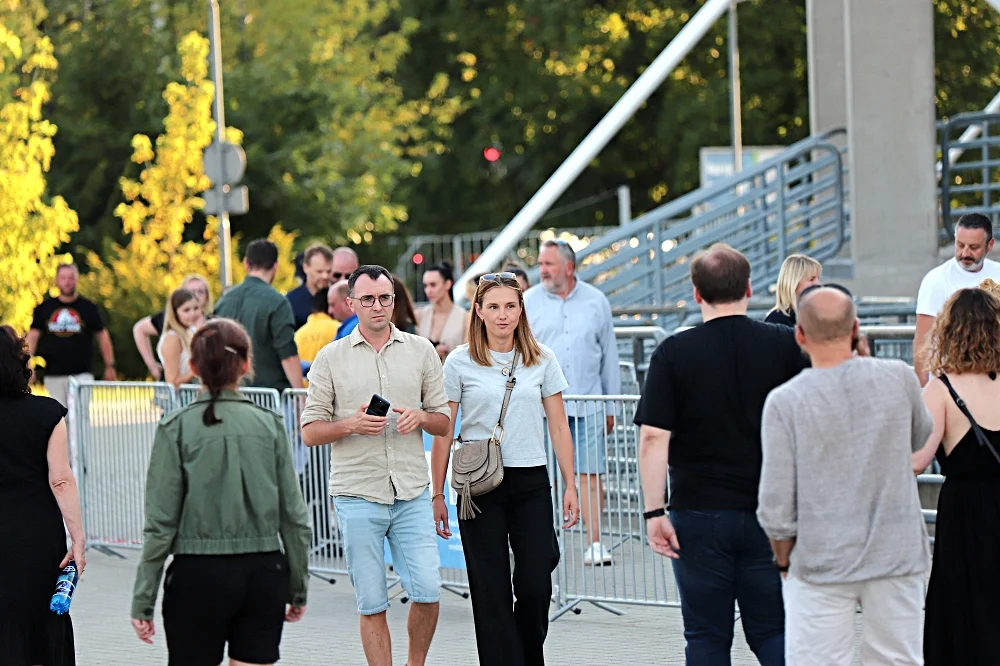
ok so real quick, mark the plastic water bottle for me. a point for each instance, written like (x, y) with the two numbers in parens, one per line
(65, 586)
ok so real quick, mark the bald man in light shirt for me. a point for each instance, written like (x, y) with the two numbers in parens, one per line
(837, 497)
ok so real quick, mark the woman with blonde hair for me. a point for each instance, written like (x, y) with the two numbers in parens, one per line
(798, 272)
(963, 358)
(152, 325)
(183, 315)
(502, 355)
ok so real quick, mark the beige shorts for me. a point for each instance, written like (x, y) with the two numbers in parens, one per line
(58, 386)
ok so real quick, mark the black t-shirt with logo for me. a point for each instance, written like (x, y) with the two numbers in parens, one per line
(707, 386)
(67, 340)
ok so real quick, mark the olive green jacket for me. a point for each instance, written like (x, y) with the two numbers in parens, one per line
(225, 489)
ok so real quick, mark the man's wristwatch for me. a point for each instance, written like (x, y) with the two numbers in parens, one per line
(782, 568)
(655, 513)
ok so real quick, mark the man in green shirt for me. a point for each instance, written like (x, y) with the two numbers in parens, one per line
(267, 317)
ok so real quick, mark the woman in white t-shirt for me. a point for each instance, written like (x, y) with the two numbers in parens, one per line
(519, 511)
(183, 315)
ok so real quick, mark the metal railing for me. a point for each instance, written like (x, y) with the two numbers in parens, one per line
(792, 203)
(972, 183)
(460, 250)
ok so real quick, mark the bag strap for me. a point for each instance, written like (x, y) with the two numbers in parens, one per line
(510, 387)
(980, 435)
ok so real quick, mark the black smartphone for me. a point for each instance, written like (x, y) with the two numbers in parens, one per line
(378, 406)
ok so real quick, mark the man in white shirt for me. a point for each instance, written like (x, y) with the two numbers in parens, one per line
(973, 241)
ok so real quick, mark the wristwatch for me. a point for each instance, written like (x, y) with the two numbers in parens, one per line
(782, 568)
(655, 513)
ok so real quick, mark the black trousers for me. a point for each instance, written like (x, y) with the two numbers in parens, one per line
(519, 511)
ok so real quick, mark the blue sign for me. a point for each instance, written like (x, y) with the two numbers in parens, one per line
(452, 555)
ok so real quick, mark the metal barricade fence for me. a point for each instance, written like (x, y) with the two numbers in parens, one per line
(112, 425)
(326, 556)
(607, 478)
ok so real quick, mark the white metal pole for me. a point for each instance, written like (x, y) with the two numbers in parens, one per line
(219, 111)
(734, 88)
(603, 132)
(624, 205)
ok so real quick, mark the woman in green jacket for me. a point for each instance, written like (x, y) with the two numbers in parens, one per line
(222, 496)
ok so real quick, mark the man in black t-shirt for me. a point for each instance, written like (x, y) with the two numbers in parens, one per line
(63, 331)
(703, 402)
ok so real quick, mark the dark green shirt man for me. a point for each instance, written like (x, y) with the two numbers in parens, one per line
(267, 317)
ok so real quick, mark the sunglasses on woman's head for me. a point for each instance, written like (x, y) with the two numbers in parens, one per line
(496, 277)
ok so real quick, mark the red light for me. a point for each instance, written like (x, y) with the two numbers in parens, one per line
(418, 259)
(491, 154)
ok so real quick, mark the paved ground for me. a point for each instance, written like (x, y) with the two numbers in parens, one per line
(329, 634)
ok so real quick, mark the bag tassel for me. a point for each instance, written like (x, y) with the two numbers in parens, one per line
(468, 508)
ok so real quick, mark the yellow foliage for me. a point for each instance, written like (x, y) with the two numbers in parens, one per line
(135, 280)
(31, 228)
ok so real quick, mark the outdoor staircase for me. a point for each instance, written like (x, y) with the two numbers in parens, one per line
(793, 203)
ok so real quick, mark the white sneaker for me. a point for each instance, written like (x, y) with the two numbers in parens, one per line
(597, 555)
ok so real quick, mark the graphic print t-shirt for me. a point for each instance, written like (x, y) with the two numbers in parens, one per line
(67, 340)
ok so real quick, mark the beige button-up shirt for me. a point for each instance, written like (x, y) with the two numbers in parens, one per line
(407, 373)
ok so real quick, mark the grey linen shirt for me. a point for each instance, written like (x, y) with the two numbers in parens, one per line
(346, 373)
(581, 332)
(837, 474)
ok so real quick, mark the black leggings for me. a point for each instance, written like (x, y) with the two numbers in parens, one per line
(510, 633)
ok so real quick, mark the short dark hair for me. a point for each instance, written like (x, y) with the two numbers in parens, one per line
(319, 302)
(977, 221)
(372, 271)
(262, 254)
(319, 249)
(721, 274)
(15, 375)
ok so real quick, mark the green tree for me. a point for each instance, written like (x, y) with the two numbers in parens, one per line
(32, 226)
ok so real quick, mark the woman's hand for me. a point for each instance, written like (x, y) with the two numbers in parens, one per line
(295, 613)
(441, 517)
(145, 630)
(442, 350)
(571, 506)
(77, 553)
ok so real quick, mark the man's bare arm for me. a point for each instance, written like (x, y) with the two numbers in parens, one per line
(293, 370)
(782, 550)
(654, 448)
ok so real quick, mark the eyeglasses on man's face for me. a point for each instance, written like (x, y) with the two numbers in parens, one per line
(496, 277)
(368, 301)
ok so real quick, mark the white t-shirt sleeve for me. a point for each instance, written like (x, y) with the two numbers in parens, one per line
(931, 296)
(453, 375)
(553, 380)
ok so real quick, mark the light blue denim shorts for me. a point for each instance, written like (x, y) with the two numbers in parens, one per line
(589, 455)
(409, 526)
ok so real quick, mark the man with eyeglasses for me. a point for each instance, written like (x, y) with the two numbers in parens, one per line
(345, 262)
(378, 468)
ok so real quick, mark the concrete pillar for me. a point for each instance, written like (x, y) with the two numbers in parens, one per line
(826, 44)
(890, 113)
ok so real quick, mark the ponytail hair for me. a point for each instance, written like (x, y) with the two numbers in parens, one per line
(219, 352)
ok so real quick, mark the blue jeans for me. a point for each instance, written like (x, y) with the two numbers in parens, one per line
(725, 558)
(409, 526)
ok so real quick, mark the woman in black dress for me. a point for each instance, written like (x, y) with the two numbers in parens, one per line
(962, 616)
(37, 493)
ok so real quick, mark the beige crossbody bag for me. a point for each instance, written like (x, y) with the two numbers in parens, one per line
(477, 467)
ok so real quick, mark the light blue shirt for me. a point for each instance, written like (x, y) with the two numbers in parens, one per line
(347, 326)
(581, 332)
